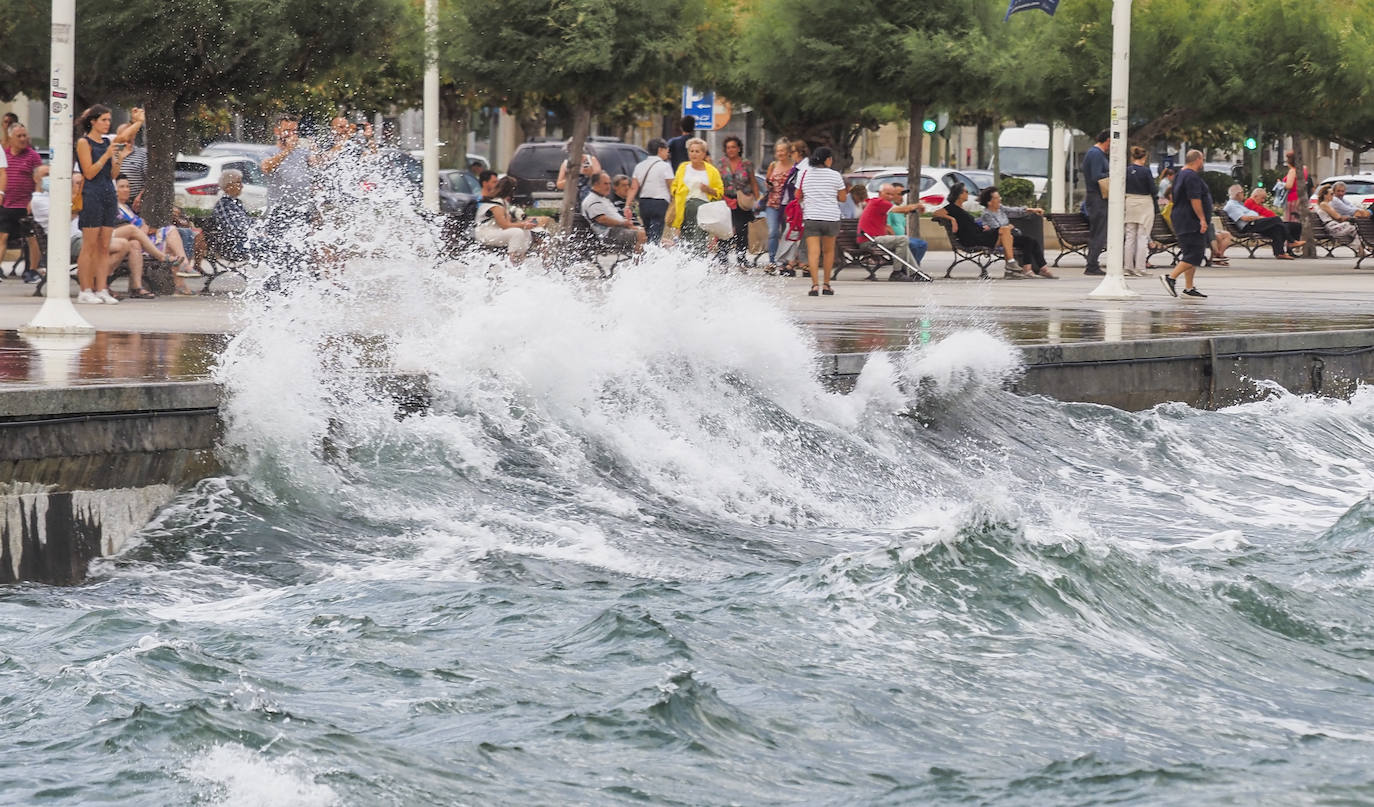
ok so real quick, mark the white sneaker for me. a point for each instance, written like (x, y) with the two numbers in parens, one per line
(106, 298)
(88, 298)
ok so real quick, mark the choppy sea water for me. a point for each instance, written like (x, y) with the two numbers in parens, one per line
(635, 553)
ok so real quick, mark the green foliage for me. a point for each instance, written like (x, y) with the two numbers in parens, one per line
(1017, 192)
(1217, 183)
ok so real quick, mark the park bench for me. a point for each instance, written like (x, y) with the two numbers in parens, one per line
(122, 270)
(1364, 227)
(220, 264)
(979, 256)
(1321, 237)
(870, 256)
(1073, 233)
(581, 245)
(1162, 241)
(1245, 240)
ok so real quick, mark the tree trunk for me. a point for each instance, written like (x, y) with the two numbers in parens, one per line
(160, 129)
(916, 117)
(1301, 149)
(582, 124)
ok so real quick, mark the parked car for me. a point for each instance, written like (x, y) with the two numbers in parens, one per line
(535, 166)
(196, 181)
(402, 165)
(934, 187)
(1359, 188)
(258, 151)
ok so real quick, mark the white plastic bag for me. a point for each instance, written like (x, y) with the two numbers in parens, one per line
(714, 218)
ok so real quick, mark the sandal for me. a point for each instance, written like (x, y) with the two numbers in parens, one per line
(141, 294)
(1220, 262)
(815, 292)
(827, 291)
(183, 293)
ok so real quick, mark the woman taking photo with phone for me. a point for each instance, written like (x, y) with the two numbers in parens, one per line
(99, 163)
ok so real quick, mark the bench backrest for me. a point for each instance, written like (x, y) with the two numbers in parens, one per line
(1072, 228)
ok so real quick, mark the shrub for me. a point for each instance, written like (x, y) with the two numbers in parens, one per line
(1017, 192)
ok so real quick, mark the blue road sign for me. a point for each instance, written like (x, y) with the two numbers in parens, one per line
(700, 105)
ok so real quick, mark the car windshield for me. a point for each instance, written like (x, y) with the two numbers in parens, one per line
(1359, 188)
(189, 171)
(1020, 161)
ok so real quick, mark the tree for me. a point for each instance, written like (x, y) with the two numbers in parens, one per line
(590, 53)
(170, 61)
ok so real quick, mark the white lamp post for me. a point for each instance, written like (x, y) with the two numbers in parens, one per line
(431, 162)
(1113, 286)
(57, 314)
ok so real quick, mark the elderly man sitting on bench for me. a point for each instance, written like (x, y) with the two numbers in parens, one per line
(873, 227)
(1252, 216)
(606, 222)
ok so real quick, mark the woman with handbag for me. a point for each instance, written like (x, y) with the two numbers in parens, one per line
(741, 195)
(697, 182)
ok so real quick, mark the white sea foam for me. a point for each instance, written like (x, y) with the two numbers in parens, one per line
(230, 775)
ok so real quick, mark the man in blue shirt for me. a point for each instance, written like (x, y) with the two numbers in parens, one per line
(1096, 167)
(1191, 216)
(677, 147)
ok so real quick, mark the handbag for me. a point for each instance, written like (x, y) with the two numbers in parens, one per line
(714, 218)
(745, 201)
(1103, 184)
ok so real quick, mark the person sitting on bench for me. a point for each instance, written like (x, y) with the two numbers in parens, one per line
(231, 221)
(496, 226)
(970, 233)
(606, 223)
(999, 217)
(1251, 216)
(873, 227)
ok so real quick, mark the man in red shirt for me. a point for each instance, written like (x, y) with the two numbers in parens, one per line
(873, 227)
(19, 185)
(1256, 205)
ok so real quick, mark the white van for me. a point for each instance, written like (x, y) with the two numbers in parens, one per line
(1024, 151)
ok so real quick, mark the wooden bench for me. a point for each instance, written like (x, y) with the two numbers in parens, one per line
(849, 252)
(1162, 241)
(579, 244)
(220, 263)
(1364, 227)
(1321, 237)
(122, 270)
(1239, 238)
(982, 257)
(1073, 232)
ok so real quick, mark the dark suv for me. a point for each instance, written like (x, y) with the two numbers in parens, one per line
(535, 166)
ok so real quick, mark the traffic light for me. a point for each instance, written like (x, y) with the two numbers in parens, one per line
(929, 126)
(1251, 143)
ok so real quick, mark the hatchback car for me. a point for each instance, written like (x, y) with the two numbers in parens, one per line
(535, 166)
(934, 187)
(1359, 188)
(196, 181)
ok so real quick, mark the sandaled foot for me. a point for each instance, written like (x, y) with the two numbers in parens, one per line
(141, 294)
(815, 292)
(827, 291)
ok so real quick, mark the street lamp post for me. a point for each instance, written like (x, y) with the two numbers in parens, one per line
(431, 113)
(58, 315)
(1113, 286)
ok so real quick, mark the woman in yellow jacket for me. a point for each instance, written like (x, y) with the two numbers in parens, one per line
(697, 182)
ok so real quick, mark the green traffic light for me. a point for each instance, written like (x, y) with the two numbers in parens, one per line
(929, 125)
(1250, 143)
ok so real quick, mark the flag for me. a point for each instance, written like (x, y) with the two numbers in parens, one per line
(1047, 6)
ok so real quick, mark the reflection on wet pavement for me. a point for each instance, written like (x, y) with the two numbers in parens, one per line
(863, 333)
(106, 356)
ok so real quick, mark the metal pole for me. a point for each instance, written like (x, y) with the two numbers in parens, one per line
(58, 315)
(431, 162)
(1058, 168)
(1113, 286)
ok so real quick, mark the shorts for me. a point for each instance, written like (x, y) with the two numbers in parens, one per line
(9, 221)
(1191, 248)
(823, 229)
(98, 210)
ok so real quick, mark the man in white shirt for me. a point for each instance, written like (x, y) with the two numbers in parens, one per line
(606, 222)
(652, 184)
(1343, 205)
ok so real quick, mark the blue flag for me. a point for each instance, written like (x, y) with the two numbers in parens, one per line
(1047, 6)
